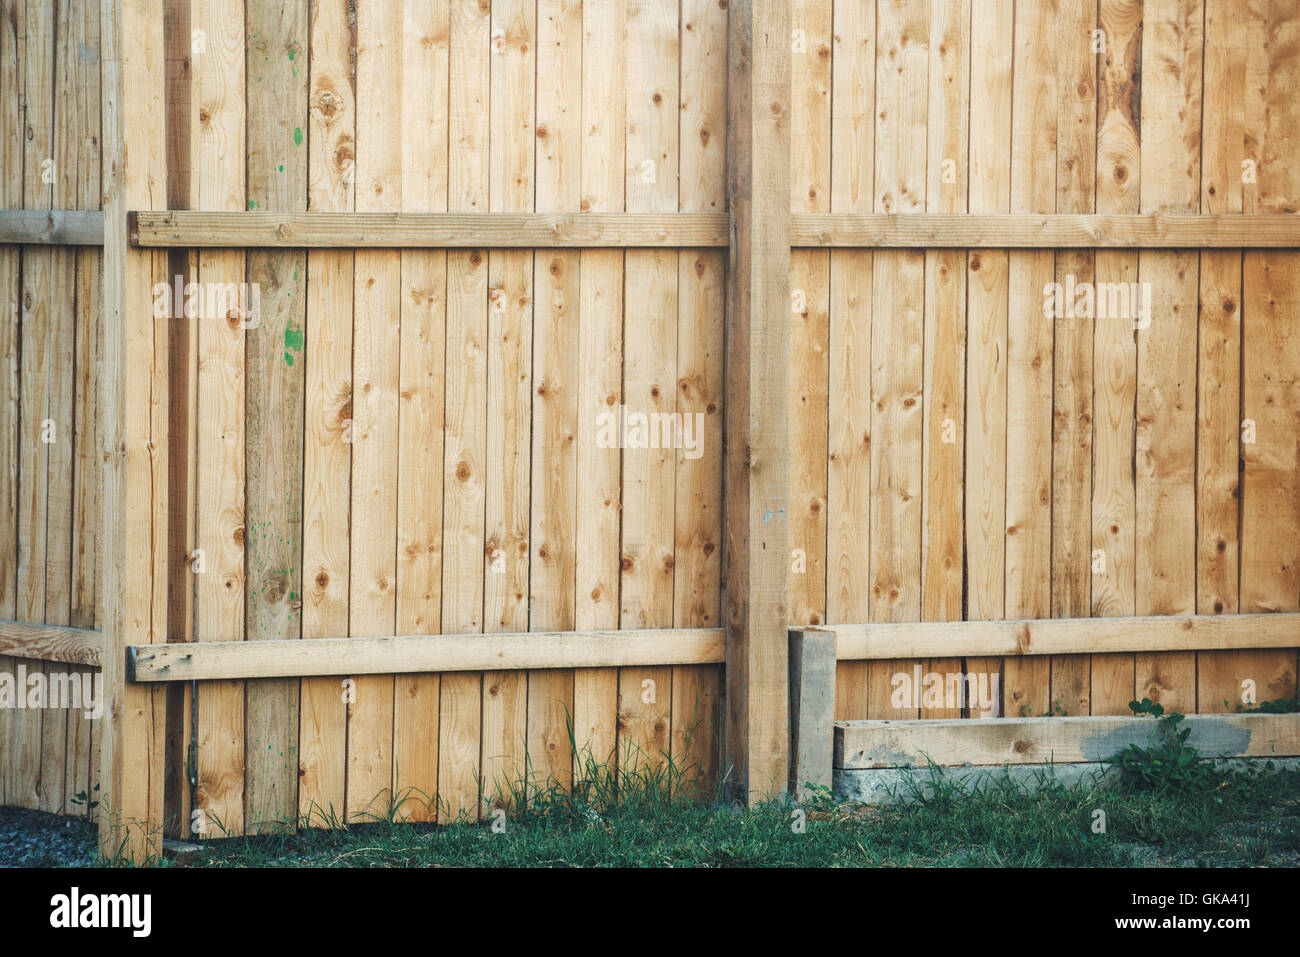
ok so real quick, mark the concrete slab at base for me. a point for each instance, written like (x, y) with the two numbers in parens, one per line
(901, 785)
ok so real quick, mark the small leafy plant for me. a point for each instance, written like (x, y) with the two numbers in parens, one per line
(1170, 764)
(1276, 706)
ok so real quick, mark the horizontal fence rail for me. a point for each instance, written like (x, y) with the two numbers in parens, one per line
(64, 227)
(1063, 636)
(998, 741)
(76, 646)
(429, 230)
(1046, 231)
(209, 660)
(195, 229)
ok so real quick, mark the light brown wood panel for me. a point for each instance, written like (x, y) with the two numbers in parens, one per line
(848, 491)
(984, 432)
(327, 426)
(1030, 344)
(1114, 520)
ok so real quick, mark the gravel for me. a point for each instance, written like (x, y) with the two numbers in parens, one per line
(38, 839)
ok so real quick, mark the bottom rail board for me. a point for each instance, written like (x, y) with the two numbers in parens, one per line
(213, 660)
(997, 741)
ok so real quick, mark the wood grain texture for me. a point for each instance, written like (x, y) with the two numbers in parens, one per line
(1072, 360)
(756, 533)
(1033, 638)
(221, 528)
(1166, 356)
(943, 389)
(600, 389)
(376, 371)
(848, 492)
(987, 302)
(506, 557)
(649, 376)
(465, 415)
(133, 447)
(10, 341)
(412, 654)
(1269, 367)
(595, 230)
(898, 322)
(1114, 519)
(696, 720)
(1030, 345)
(328, 425)
(421, 399)
(273, 437)
(72, 645)
(556, 374)
(63, 227)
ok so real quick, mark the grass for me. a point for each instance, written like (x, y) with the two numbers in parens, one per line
(651, 817)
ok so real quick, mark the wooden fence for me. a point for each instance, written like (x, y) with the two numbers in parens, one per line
(481, 244)
(50, 296)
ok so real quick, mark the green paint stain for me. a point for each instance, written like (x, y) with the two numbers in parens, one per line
(291, 54)
(281, 167)
(297, 136)
(295, 272)
(252, 204)
(294, 340)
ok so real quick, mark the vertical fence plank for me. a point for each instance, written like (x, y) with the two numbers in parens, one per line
(133, 443)
(83, 48)
(277, 180)
(1218, 388)
(182, 374)
(848, 492)
(1166, 353)
(421, 396)
(943, 395)
(61, 373)
(986, 317)
(649, 378)
(1072, 362)
(327, 426)
(1114, 520)
(11, 189)
(376, 348)
(809, 400)
(600, 389)
(897, 334)
(1271, 366)
(701, 281)
(756, 532)
(38, 321)
(221, 531)
(556, 369)
(1026, 683)
(509, 391)
(465, 436)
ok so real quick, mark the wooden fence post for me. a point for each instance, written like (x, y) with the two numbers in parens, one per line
(756, 548)
(812, 709)
(132, 404)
